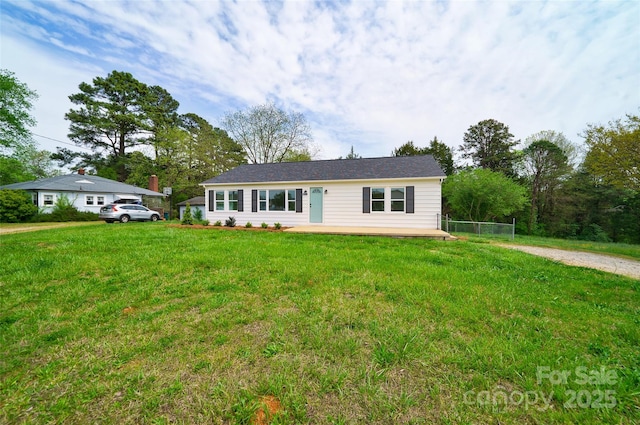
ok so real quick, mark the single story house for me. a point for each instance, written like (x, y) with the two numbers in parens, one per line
(196, 203)
(85, 192)
(401, 192)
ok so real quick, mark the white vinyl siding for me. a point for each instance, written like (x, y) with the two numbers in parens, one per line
(342, 204)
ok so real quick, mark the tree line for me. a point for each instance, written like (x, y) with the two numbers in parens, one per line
(132, 130)
(544, 181)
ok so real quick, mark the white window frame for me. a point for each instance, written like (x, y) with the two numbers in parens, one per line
(376, 201)
(52, 200)
(233, 203)
(263, 196)
(264, 200)
(99, 200)
(403, 200)
(219, 202)
(88, 198)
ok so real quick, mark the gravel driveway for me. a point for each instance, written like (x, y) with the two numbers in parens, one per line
(606, 263)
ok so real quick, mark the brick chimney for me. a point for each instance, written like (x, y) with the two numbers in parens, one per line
(153, 183)
(81, 171)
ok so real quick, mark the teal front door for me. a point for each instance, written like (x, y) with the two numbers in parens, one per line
(315, 205)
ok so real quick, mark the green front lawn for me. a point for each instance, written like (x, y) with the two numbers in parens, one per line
(144, 323)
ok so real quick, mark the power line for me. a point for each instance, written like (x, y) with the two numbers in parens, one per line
(60, 141)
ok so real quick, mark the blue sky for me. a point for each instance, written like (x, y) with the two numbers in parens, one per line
(369, 74)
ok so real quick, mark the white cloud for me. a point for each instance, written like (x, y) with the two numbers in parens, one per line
(368, 74)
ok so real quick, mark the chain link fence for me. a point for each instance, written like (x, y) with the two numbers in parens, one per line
(479, 227)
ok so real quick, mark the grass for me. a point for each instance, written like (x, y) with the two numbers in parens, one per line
(617, 249)
(146, 323)
(623, 250)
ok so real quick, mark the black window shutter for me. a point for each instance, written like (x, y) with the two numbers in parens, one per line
(254, 200)
(211, 200)
(298, 200)
(240, 200)
(366, 200)
(410, 203)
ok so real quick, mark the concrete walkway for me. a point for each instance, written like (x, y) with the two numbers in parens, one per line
(374, 231)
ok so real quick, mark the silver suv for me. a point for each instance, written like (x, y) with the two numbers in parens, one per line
(127, 212)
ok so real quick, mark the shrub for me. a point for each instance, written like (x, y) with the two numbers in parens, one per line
(264, 225)
(218, 223)
(197, 214)
(277, 226)
(248, 225)
(63, 211)
(230, 222)
(187, 218)
(16, 206)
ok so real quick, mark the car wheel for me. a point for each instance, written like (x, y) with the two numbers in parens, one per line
(155, 218)
(124, 218)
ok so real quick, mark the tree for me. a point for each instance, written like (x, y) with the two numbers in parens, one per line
(544, 164)
(408, 149)
(352, 154)
(16, 102)
(568, 148)
(481, 194)
(118, 113)
(614, 152)
(187, 218)
(489, 144)
(440, 152)
(267, 133)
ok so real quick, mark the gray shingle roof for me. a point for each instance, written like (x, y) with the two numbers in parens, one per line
(198, 200)
(336, 169)
(82, 183)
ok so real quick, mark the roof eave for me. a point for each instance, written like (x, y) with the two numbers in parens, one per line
(245, 183)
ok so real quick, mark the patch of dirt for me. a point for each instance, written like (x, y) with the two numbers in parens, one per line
(269, 406)
(607, 263)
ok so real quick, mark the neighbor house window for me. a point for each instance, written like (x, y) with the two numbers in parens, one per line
(397, 199)
(89, 199)
(219, 200)
(100, 200)
(377, 199)
(263, 200)
(233, 200)
(48, 199)
(34, 199)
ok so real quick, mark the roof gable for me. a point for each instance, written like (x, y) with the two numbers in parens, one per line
(337, 169)
(81, 183)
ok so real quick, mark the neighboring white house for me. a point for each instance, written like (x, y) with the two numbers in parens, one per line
(86, 192)
(195, 204)
(367, 192)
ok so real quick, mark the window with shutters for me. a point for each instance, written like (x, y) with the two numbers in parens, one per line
(263, 200)
(377, 199)
(233, 200)
(291, 200)
(397, 199)
(219, 200)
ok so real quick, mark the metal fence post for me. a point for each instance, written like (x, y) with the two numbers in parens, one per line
(513, 229)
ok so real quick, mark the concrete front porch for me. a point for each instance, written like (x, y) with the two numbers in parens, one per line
(374, 231)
